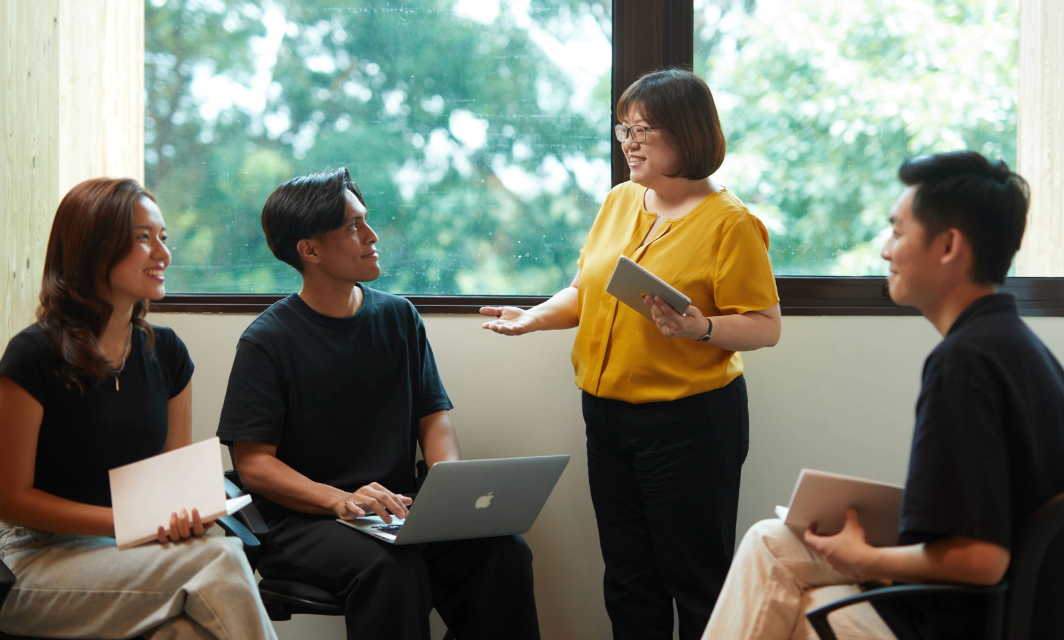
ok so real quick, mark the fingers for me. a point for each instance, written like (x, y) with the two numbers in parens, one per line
(812, 539)
(354, 509)
(506, 328)
(197, 525)
(162, 535)
(383, 501)
(491, 311)
(175, 533)
(184, 525)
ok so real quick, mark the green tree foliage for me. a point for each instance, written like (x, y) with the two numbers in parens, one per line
(481, 160)
(479, 130)
(821, 100)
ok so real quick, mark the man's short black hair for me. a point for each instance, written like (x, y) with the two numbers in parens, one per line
(985, 201)
(305, 207)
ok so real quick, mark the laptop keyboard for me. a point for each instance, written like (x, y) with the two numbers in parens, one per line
(388, 528)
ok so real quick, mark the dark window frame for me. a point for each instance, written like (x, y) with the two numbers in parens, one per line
(649, 35)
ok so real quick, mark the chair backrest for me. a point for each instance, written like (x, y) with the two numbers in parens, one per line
(1039, 532)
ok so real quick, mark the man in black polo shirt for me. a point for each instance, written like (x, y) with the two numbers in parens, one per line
(332, 390)
(988, 446)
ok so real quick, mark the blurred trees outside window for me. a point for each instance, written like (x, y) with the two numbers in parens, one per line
(480, 130)
(821, 101)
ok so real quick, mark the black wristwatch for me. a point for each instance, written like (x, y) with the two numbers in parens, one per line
(709, 330)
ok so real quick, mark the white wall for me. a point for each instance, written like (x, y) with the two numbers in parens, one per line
(837, 393)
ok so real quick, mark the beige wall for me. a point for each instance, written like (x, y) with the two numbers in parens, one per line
(835, 394)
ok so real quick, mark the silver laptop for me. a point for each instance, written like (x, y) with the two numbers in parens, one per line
(472, 499)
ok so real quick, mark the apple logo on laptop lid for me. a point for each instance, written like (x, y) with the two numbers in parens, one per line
(483, 502)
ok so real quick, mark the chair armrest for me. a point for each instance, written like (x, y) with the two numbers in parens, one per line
(249, 516)
(818, 617)
(252, 546)
(7, 580)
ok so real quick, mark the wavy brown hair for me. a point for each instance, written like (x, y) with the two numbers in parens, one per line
(91, 233)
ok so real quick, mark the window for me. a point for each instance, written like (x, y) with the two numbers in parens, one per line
(822, 99)
(478, 131)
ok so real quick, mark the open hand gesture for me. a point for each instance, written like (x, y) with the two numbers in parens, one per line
(509, 321)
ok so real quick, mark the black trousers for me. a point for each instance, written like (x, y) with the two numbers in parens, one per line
(481, 588)
(665, 485)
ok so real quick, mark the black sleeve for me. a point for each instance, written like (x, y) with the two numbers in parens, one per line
(432, 396)
(958, 482)
(254, 406)
(28, 363)
(176, 362)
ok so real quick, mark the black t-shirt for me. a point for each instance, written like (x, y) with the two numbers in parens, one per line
(83, 435)
(988, 449)
(341, 398)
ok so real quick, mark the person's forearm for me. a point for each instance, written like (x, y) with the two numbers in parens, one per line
(280, 483)
(562, 311)
(744, 332)
(949, 560)
(41, 510)
(438, 440)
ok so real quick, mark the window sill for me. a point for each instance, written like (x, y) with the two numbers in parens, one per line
(799, 296)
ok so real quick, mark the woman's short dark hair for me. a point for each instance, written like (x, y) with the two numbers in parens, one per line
(681, 103)
(305, 207)
(92, 232)
(985, 201)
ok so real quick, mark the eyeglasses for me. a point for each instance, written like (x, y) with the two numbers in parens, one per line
(638, 133)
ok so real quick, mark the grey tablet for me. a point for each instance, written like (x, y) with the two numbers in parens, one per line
(630, 282)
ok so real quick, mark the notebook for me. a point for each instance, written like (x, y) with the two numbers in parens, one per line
(145, 493)
(823, 498)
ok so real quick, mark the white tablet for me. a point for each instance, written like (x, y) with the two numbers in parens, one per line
(823, 498)
(630, 282)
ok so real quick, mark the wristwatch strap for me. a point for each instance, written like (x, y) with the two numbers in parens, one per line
(709, 330)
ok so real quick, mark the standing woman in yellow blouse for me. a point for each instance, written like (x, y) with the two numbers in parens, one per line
(664, 401)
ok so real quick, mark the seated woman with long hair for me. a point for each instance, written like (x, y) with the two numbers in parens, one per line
(88, 387)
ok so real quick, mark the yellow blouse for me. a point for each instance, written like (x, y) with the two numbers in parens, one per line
(717, 255)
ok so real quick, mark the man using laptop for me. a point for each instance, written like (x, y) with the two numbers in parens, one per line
(987, 445)
(332, 390)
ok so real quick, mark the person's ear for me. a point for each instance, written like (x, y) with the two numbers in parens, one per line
(308, 251)
(952, 246)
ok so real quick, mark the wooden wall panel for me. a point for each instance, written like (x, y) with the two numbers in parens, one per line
(73, 72)
(1041, 136)
(101, 84)
(29, 184)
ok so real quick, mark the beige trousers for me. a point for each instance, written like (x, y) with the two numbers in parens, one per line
(774, 579)
(84, 587)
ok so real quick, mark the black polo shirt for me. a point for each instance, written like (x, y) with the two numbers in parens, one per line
(988, 449)
(341, 398)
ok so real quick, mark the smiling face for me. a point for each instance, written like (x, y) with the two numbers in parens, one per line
(347, 253)
(140, 274)
(650, 161)
(915, 272)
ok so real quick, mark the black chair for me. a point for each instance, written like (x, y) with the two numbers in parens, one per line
(1010, 603)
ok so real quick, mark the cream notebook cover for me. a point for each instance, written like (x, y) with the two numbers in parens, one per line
(145, 493)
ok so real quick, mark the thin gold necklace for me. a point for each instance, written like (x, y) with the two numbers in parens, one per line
(125, 354)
